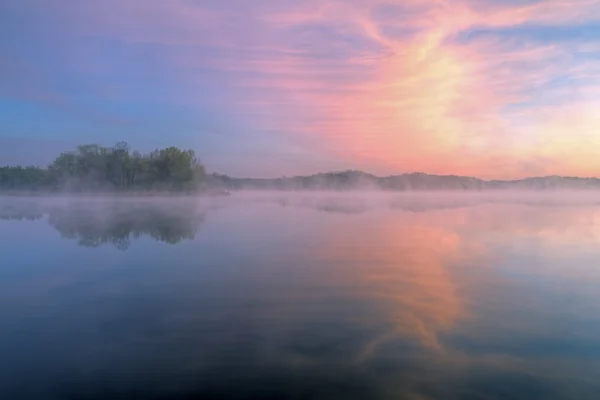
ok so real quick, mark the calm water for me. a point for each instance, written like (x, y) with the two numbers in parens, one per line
(299, 297)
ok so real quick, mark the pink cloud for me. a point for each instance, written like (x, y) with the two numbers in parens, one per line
(329, 76)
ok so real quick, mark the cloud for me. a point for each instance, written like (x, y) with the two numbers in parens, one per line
(438, 86)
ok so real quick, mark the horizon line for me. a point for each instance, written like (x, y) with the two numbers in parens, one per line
(410, 173)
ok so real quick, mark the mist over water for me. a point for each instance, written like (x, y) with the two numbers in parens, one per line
(280, 295)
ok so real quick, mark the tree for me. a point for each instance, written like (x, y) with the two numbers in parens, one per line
(94, 167)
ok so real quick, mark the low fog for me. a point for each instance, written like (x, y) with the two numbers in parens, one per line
(121, 209)
(360, 200)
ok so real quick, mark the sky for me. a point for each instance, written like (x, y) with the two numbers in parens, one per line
(266, 88)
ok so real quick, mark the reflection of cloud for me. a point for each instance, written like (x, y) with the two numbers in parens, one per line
(404, 260)
(381, 304)
(433, 268)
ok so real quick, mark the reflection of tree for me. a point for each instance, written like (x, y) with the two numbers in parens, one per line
(119, 223)
(20, 211)
(95, 224)
(336, 206)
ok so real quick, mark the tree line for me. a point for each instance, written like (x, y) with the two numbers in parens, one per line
(97, 168)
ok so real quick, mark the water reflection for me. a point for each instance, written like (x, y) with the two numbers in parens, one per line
(96, 223)
(19, 211)
(500, 296)
(312, 298)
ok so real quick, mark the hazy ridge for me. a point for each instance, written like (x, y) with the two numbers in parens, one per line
(358, 180)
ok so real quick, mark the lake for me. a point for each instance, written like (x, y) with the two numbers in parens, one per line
(300, 296)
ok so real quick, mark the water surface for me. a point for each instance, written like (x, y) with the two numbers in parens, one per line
(281, 296)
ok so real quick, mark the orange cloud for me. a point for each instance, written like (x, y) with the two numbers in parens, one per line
(425, 102)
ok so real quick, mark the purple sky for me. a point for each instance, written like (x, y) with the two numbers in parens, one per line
(280, 87)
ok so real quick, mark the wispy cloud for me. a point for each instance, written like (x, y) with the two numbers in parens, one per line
(488, 88)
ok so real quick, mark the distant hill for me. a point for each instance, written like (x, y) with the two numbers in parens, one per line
(358, 180)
